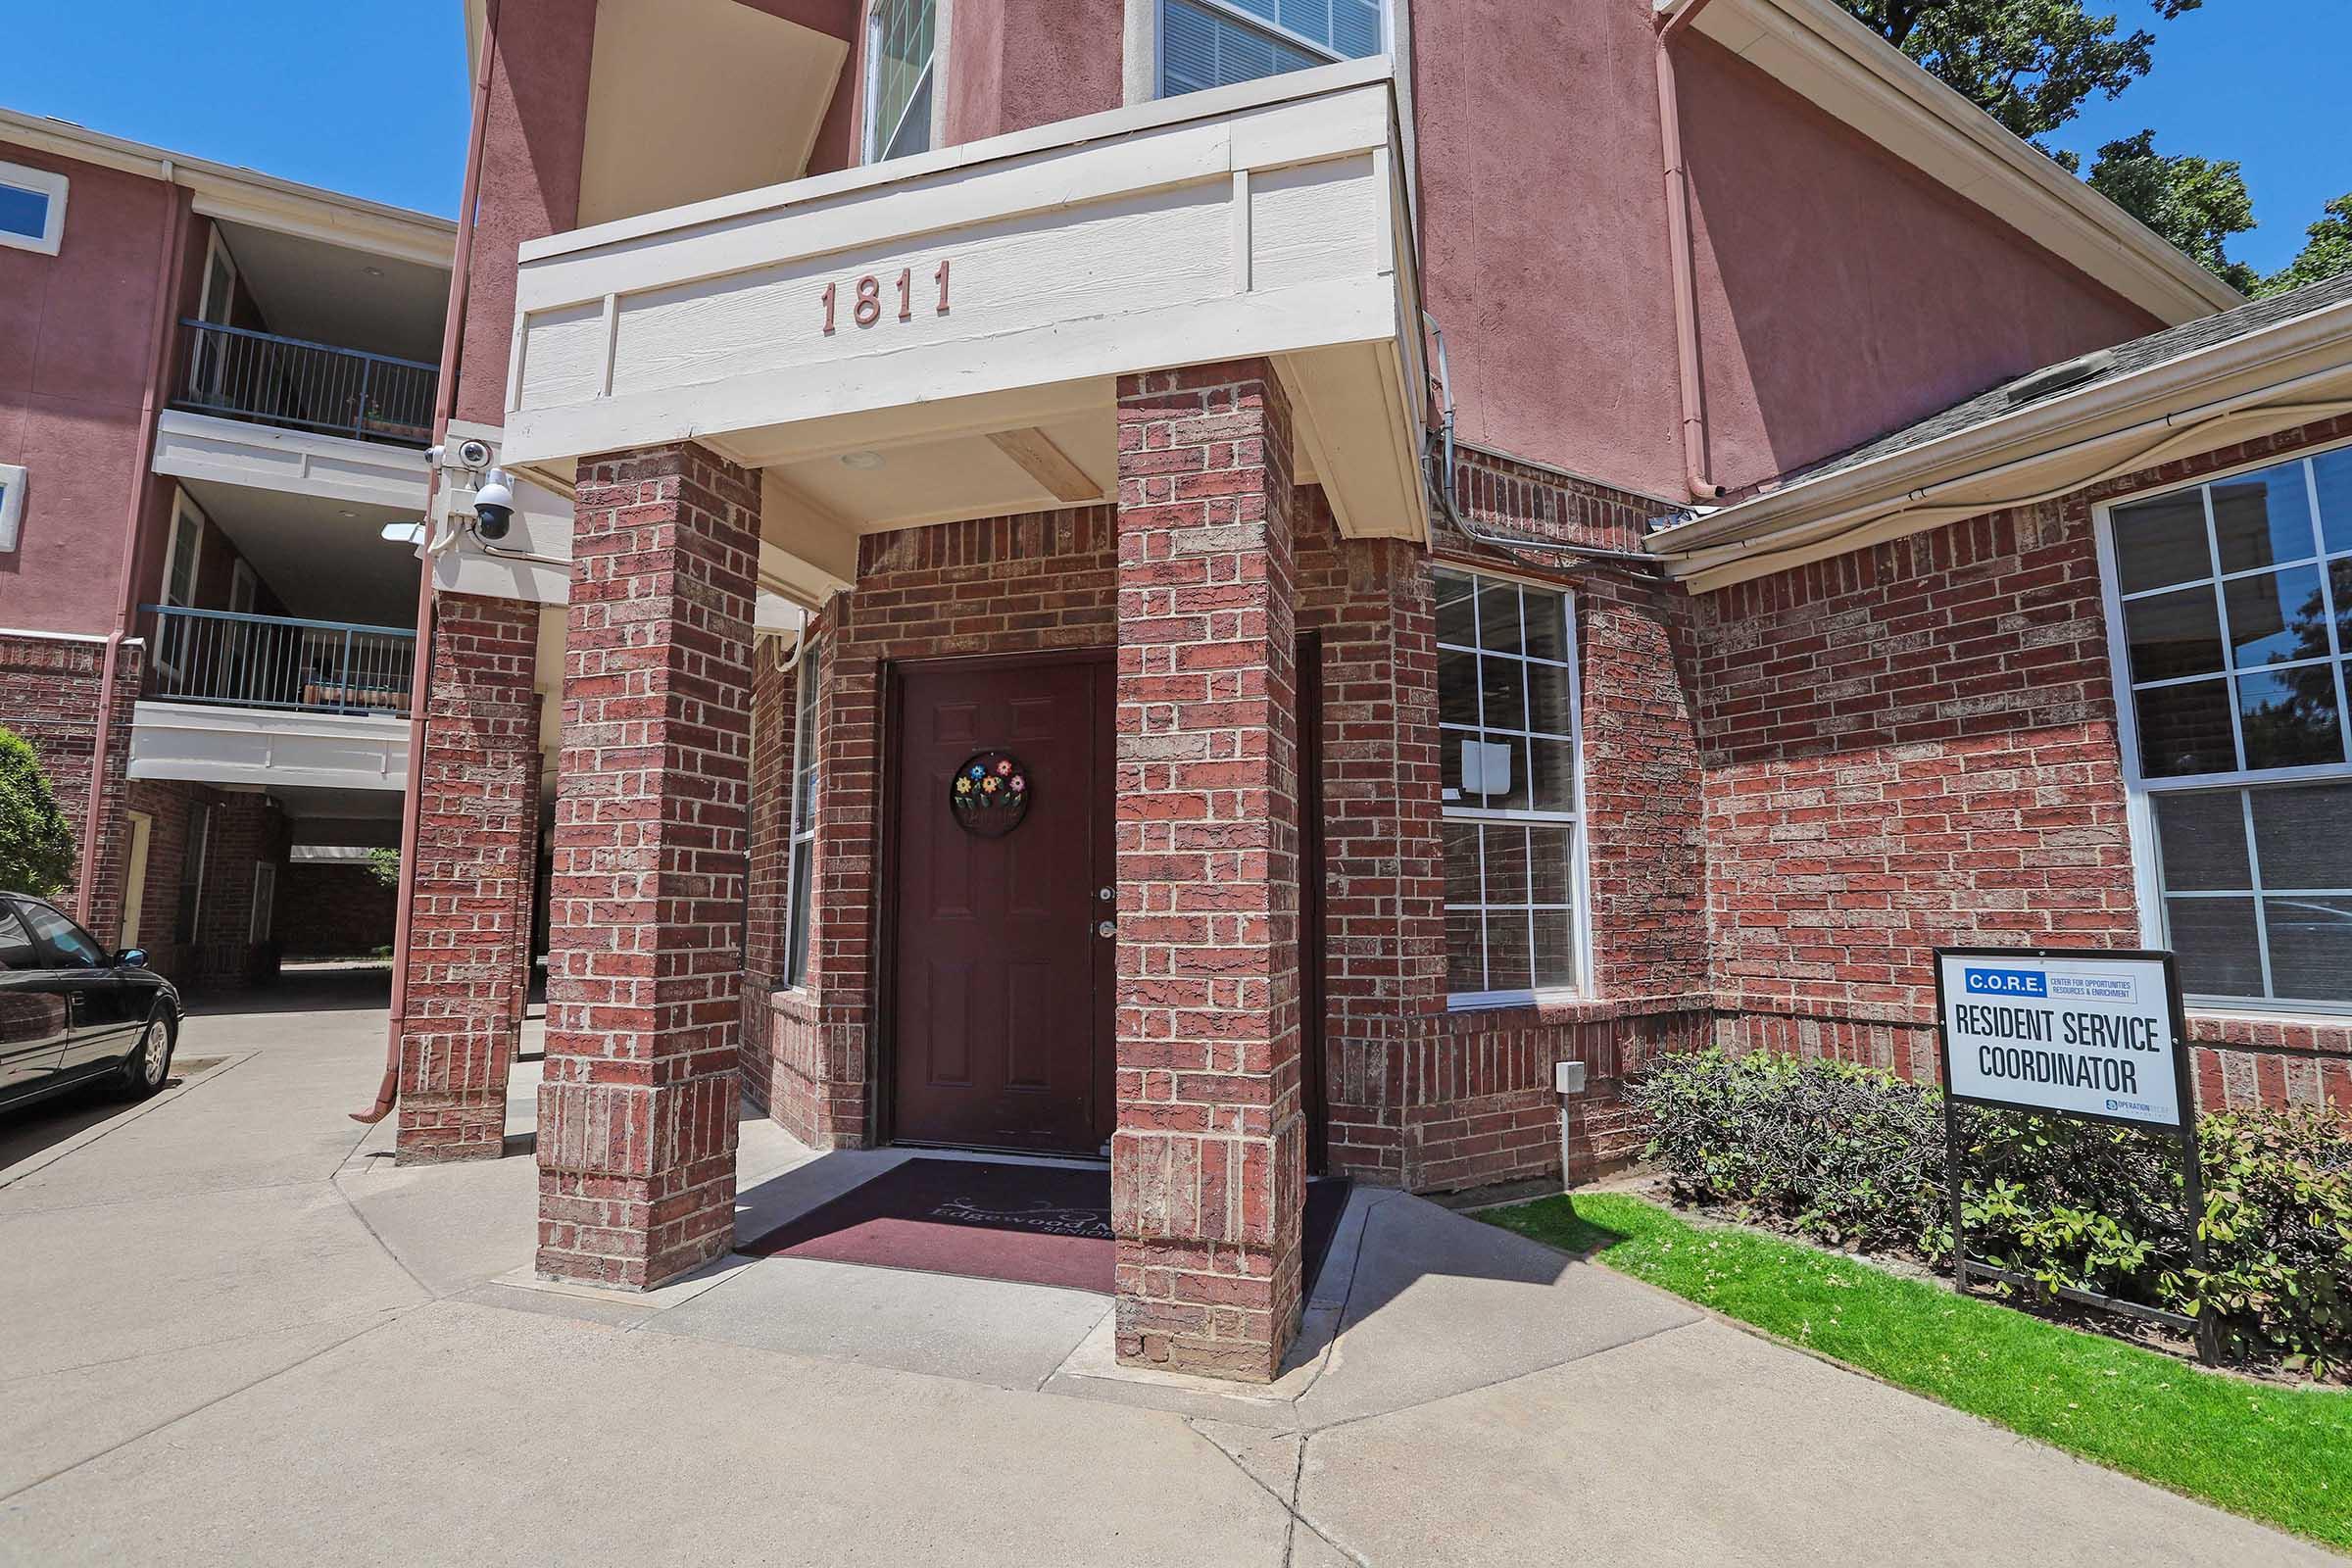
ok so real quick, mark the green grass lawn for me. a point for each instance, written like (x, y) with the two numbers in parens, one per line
(2282, 1455)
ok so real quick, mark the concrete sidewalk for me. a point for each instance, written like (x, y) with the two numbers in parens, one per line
(237, 1334)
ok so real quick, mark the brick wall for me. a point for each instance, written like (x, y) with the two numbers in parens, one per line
(49, 694)
(333, 910)
(1914, 746)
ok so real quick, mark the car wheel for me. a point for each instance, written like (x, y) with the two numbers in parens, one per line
(150, 1060)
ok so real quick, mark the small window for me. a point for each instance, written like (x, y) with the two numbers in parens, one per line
(68, 945)
(1512, 806)
(1214, 43)
(2229, 606)
(898, 82)
(801, 872)
(32, 209)
(12, 504)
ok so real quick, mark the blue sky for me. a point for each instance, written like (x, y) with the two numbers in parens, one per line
(368, 96)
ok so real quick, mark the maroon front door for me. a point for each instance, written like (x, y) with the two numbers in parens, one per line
(1001, 977)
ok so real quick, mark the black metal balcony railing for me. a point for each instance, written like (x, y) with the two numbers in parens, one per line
(319, 667)
(307, 387)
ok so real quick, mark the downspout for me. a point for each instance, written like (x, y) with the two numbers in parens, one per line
(453, 330)
(1681, 253)
(168, 270)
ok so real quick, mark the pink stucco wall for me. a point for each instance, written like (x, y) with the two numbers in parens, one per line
(1841, 293)
(1014, 64)
(76, 357)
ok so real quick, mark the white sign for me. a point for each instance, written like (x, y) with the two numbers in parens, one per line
(2085, 1033)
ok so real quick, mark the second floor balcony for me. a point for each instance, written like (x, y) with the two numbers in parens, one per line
(270, 661)
(235, 373)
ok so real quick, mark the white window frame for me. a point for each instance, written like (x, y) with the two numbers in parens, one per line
(215, 249)
(875, 141)
(800, 921)
(2139, 793)
(12, 504)
(1581, 922)
(1224, 9)
(42, 182)
(188, 513)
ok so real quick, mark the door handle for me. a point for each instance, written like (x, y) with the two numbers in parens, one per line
(1109, 928)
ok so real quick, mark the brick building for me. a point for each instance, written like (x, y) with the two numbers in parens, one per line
(1221, 588)
(215, 390)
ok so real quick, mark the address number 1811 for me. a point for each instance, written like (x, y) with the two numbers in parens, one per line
(865, 302)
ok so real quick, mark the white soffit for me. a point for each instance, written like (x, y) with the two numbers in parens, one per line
(324, 467)
(268, 746)
(1827, 56)
(1263, 221)
(689, 99)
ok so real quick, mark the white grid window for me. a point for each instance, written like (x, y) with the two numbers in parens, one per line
(32, 209)
(1214, 43)
(1513, 827)
(2229, 606)
(898, 83)
(802, 854)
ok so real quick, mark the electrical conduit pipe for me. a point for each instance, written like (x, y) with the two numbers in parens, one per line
(1681, 254)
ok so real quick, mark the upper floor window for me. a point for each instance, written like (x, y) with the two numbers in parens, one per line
(1212, 43)
(898, 80)
(1513, 817)
(32, 209)
(12, 504)
(2229, 606)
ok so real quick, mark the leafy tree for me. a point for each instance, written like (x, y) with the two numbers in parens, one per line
(2327, 250)
(2196, 203)
(2030, 64)
(36, 847)
(384, 866)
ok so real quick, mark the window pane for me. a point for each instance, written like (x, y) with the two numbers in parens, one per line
(2174, 634)
(902, 37)
(1200, 48)
(1457, 687)
(1465, 952)
(1550, 865)
(1449, 764)
(2333, 473)
(796, 956)
(16, 948)
(2303, 836)
(1355, 27)
(23, 211)
(1506, 865)
(2202, 841)
(914, 126)
(2311, 947)
(1553, 785)
(2215, 941)
(1503, 684)
(1461, 863)
(1499, 618)
(2276, 618)
(2162, 542)
(1507, 752)
(1556, 947)
(2262, 519)
(1507, 965)
(1546, 626)
(2185, 731)
(1455, 598)
(2339, 583)
(1548, 698)
(66, 942)
(2289, 718)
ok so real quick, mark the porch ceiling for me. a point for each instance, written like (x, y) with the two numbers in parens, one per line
(1265, 220)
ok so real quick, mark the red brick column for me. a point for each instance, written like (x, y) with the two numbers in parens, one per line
(469, 918)
(637, 1115)
(1208, 1168)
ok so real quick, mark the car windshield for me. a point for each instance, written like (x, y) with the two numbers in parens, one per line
(71, 944)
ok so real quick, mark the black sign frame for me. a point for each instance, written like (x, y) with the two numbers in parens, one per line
(2185, 1130)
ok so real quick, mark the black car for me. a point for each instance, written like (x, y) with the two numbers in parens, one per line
(71, 1013)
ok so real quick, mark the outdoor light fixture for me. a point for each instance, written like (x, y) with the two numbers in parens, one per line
(402, 533)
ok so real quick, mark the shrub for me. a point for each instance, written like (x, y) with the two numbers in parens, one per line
(1855, 1158)
(36, 847)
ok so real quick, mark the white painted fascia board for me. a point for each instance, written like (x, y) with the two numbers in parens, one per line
(1217, 104)
(2311, 350)
(199, 743)
(201, 446)
(245, 195)
(1828, 57)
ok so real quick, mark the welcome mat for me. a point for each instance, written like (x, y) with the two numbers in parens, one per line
(1030, 1224)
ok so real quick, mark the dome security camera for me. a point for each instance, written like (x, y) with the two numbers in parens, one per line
(475, 452)
(494, 508)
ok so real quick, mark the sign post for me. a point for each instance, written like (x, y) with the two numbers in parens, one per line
(2077, 1032)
